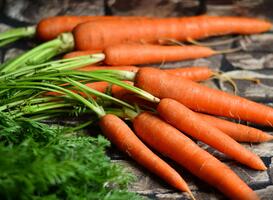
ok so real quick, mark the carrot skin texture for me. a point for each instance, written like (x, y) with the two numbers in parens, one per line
(135, 54)
(190, 123)
(174, 144)
(201, 98)
(124, 138)
(238, 132)
(95, 35)
(194, 73)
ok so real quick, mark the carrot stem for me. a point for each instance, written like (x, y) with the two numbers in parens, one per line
(63, 43)
(14, 34)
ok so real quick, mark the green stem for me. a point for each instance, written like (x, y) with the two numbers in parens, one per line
(50, 87)
(27, 101)
(119, 74)
(97, 93)
(38, 108)
(64, 43)
(14, 34)
(53, 65)
(136, 90)
(7, 41)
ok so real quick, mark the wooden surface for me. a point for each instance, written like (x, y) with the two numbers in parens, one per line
(256, 56)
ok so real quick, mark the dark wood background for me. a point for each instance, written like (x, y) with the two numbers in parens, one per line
(256, 56)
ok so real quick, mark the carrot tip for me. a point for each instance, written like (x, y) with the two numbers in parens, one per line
(191, 195)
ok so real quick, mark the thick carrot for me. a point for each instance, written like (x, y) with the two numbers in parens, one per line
(99, 35)
(123, 137)
(134, 54)
(201, 98)
(190, 123)
(80, 53)
(170, 142)
(238, 132)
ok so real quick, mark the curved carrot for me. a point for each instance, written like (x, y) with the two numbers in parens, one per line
(190, 123)
(123, 137)
(102, 34)
(80, 53)
(170, 142)
(201, 98)
(238, 132)
(134, 54)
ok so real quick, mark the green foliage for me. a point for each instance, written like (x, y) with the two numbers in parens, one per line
(40, 162)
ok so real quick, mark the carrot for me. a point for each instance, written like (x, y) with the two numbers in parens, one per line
(193, 73)
(201, 98)
(238, 132)
(80, 53)
(122, 136)
(170, 142)
(93, 68)
(135, 54)
(101, 34)
(190, 123)
(51, 27)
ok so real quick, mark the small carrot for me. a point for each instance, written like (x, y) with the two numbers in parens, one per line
(190, 123)
(238, 132)
(170, 142)
(80, 53)
(123, 137)
(101, 34)
(134, 54)
(201, 98)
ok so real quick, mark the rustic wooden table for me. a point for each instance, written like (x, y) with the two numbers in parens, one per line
(257, 55)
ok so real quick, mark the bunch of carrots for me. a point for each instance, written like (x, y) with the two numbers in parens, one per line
(178, 106)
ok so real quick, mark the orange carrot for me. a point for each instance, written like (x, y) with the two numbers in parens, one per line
(80, 53)
(134, 54)
(122, 136)
(170, 142)
(190, 123)
(238, 132)
(191, 73)
(51, 27)
(201, 98)
(93, 68)
(101, 34)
